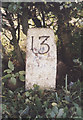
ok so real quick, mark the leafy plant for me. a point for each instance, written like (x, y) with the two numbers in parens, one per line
(11, 75)
(37, 103)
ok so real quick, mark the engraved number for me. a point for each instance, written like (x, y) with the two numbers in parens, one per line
(42, 44)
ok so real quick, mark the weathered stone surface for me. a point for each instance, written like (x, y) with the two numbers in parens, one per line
(41, 58)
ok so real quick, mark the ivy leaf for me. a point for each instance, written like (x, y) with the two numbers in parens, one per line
(13, 75)
(79, 112)
(10, 7)
(22, 72)
(17, 74)
(4, 107)
(6, 76)
(60, 113)
(78, 109)
(48, 111)
(10, 65)
(10, 92)
(27, 94)
(22, 78)
(12, 109)
(15, 7)
(38, 103)
(8, 71)
(64, 115)
(13, 80)
(55, 110)
(67, 98)
(52, 114)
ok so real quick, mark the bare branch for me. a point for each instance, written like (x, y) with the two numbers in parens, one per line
(18, 29)
(7, 37)
(9, 18)
(7, 27)
(43, 18)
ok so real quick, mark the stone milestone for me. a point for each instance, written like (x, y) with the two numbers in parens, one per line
(41, 58)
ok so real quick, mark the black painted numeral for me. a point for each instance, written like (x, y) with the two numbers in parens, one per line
(42, 44)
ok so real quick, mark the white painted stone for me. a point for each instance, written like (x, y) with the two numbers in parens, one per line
(41, 58)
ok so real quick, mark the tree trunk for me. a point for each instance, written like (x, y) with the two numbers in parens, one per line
(19, 56)
(4, 60)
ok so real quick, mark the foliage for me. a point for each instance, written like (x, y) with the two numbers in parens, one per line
(10, 75)
(65, 19)
(38, 103)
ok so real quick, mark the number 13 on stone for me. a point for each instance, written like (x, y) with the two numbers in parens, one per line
(41, 58)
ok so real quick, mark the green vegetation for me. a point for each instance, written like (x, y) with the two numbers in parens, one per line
(66, 20)
(39, 103)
